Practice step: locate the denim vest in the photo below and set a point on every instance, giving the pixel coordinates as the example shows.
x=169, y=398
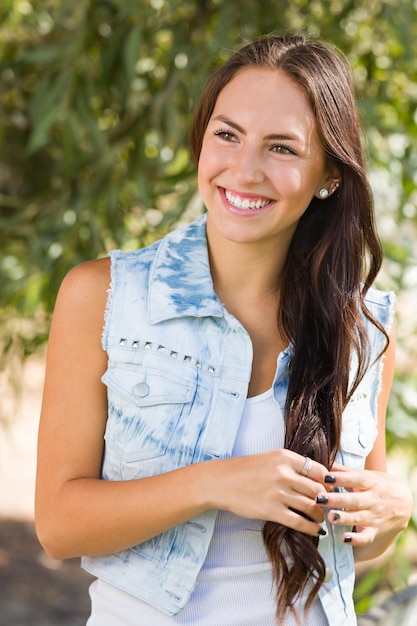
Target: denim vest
x=178, y=371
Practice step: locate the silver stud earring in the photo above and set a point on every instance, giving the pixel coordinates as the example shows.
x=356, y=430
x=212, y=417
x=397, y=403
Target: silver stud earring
x=324, y=193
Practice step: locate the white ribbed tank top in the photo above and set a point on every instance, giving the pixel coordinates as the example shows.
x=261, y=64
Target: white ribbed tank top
x=234, y=587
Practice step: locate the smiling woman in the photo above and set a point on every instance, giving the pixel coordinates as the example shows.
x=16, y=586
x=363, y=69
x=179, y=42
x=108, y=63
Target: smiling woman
x=223, y=435
x=261, y=159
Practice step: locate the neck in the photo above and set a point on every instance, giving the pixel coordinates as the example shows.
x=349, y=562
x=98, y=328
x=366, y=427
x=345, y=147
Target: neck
x=246, y=271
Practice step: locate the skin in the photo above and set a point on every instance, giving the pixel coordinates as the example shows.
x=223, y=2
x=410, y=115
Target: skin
x=78, y=513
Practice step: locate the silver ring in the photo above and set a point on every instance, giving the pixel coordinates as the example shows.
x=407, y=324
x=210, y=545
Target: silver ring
x=307, y=466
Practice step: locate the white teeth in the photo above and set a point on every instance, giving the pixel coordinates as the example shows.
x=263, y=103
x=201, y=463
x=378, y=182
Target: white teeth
x=245, y=203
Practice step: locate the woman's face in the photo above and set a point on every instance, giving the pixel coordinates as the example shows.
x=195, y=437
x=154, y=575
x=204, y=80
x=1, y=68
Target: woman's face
x=261, y=160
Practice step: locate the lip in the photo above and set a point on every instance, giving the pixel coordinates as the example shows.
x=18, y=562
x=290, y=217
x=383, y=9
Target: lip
x=250, y=196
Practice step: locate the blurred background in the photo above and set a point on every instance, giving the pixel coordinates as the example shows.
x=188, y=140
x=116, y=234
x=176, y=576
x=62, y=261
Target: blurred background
x=96, y=99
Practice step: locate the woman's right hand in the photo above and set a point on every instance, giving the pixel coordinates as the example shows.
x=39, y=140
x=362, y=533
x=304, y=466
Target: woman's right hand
x=269, y=486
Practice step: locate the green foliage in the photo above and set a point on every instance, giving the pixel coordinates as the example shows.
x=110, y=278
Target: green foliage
x=96, y=104
x=96, y=98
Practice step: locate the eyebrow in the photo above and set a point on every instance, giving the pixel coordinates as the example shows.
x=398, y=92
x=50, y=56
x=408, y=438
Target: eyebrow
x=226, y=120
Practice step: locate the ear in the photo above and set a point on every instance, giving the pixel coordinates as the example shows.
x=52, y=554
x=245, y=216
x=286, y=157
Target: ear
x=329, y=185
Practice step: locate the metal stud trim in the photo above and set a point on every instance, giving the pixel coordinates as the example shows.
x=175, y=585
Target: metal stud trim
x=136, y=344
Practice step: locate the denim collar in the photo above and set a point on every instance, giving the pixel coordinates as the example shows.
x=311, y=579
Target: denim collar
x=180, y=280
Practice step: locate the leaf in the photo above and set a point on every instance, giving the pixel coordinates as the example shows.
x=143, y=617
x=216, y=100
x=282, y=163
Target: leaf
x=40, y=130
x=131, y=52
x=46, y=106
x=42, y=55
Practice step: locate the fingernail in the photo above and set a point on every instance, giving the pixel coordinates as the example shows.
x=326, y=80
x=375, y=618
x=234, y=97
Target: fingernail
x=322, y=499
x=347, y=539
x=336, y=517
x=330, y=479
x=322, y=532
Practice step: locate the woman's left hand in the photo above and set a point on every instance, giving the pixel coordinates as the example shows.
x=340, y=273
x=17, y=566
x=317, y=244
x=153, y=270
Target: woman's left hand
x=374, y=505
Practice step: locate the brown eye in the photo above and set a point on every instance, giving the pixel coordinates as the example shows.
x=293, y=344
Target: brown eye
x=281, y=148
x=226, y=135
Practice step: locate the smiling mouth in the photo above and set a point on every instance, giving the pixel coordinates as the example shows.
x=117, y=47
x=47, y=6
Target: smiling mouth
x=249, y=204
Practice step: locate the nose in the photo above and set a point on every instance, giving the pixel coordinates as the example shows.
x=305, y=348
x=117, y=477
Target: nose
x=248, y=169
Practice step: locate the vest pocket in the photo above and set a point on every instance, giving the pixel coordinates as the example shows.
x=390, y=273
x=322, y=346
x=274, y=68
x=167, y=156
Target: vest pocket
x=145, y=406
x=359, y=431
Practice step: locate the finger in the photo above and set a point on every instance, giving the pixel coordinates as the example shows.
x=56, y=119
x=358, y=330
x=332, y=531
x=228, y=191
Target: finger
x=352, y=501
x=299, y=521
x=351, y=479
x=312, y=470
x=348, y=518
x=363, y=536
x=302, y=499
x=309, y=511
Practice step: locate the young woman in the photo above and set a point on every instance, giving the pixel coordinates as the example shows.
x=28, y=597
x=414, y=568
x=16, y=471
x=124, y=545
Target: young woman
x=205, y=452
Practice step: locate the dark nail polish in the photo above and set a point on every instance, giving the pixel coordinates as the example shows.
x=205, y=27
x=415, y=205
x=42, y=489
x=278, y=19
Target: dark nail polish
x=322, y=532
x=330, y=479
x=322, y=499
x=336, y=517
x=347, y=539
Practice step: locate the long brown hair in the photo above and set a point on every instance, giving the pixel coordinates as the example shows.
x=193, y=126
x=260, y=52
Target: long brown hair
x=333, y=258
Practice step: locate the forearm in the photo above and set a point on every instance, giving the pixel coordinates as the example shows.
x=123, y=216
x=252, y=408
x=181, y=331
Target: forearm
x=88, y=516
x=91, y=517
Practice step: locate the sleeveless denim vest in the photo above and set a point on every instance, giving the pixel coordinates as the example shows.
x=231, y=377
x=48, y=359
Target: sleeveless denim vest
x=178, y=371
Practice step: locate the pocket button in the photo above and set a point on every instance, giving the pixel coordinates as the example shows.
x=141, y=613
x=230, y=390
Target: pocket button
x=328, y=575
x=141, y=390
x=364, y=440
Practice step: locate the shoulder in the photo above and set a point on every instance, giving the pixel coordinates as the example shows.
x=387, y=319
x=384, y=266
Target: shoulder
x=86, y=281
x=82, y=297
x=377, y=297
x=125, y=263
x=381, y=305
x=79, y=312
